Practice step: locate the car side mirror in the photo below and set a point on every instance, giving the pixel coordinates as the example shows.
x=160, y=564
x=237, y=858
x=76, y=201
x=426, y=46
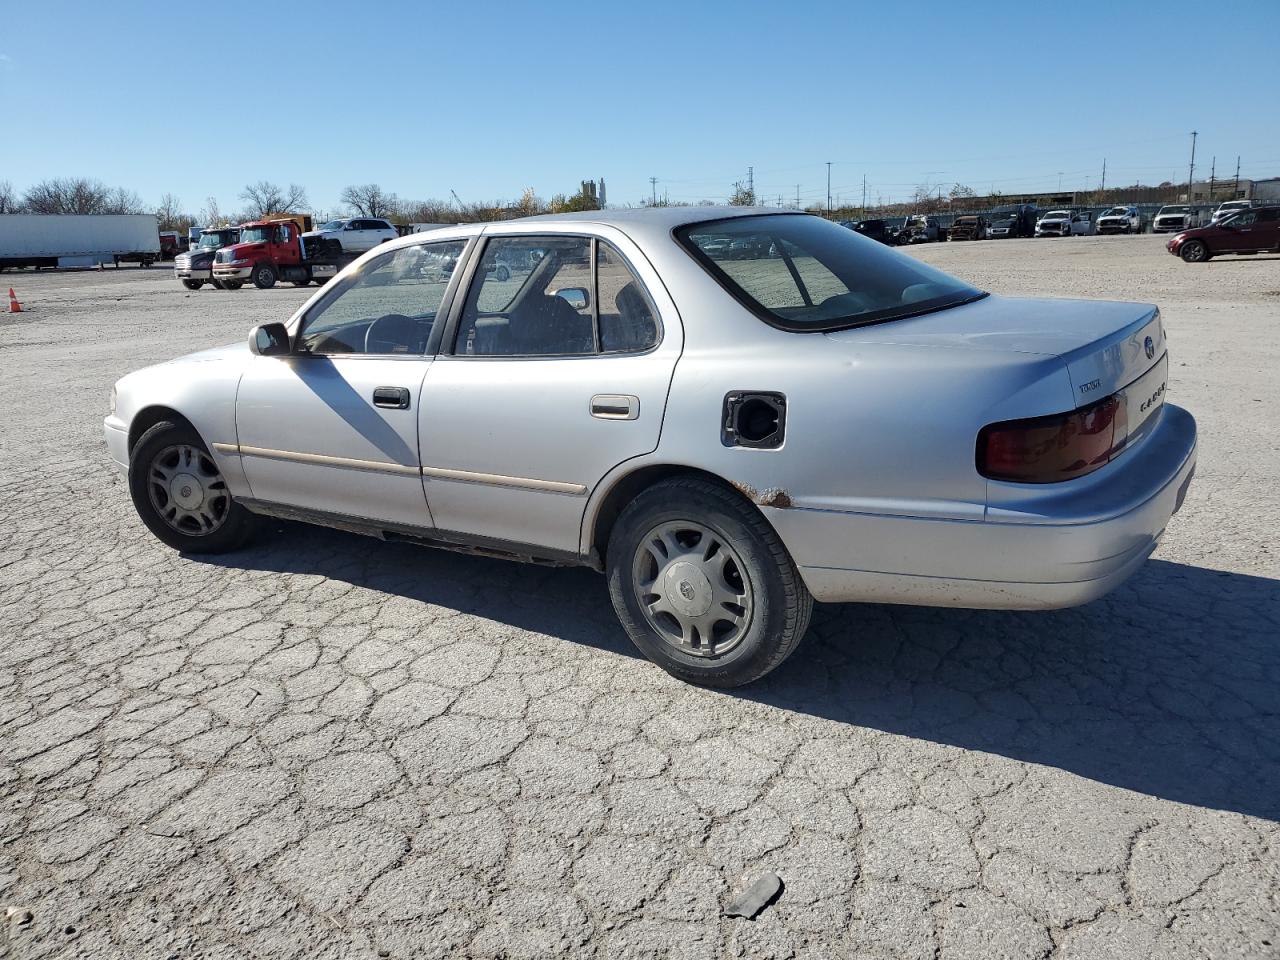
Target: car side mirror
x=576, y=297
x=269, y=340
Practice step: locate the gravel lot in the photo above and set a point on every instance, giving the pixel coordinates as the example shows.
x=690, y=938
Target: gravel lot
x=325, y=746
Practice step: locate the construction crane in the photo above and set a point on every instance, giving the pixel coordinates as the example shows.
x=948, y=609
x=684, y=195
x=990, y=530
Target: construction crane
x=454, y=194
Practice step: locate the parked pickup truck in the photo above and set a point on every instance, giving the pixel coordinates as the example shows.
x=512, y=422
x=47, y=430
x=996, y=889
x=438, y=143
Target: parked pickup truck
x=1124, y=219
x=1063, y=223
x=272, y=250
x=921, y=229
x=195, y=267
x=1018, y=220
x=1171, y=219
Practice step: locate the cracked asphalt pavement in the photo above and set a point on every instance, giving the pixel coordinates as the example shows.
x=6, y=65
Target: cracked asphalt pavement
x=327, y=746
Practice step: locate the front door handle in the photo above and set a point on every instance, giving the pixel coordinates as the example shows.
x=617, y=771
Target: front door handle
x=395, y=398
x=615, y=406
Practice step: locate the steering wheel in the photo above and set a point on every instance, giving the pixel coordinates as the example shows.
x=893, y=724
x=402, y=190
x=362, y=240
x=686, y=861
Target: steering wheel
x=390, y=331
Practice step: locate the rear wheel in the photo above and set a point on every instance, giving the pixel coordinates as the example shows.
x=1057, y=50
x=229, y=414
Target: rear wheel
x=703, y=586
x=264, y=276
x=181, y=495
x=193, y=284
x=1194, y=251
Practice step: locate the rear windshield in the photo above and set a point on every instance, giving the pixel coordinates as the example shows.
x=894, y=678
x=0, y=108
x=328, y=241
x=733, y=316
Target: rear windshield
x=805, y=273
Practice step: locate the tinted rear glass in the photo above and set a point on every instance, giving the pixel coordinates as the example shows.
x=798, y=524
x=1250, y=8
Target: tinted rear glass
x=805, y=273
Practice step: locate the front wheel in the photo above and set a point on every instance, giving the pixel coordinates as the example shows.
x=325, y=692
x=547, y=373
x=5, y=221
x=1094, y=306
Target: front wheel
x=232, y=284
x=264, y=276
x=502, y=273
x=181, y=495
x=703, y=586
x=1194, y=251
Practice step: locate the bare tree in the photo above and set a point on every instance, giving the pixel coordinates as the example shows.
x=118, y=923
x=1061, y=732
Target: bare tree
x=62, y=195
x=370, y=200
x=66, y=195
x=120, y=200
x=265, y=197
x=171, y=215
x=8, y=199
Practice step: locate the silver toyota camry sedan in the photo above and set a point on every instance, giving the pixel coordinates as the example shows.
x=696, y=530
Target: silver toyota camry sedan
x=730, y=413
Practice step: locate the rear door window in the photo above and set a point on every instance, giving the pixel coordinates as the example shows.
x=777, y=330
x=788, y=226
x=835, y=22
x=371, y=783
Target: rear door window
x=555, y=296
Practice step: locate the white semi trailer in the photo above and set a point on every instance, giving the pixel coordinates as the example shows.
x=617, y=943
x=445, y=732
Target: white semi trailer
x=66, y=240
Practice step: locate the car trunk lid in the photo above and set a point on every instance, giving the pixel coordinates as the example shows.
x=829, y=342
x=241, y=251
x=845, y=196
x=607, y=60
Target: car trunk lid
x=1105, y=345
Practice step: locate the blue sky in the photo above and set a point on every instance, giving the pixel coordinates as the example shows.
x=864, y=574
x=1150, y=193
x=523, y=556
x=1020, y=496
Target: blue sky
x=197, y=99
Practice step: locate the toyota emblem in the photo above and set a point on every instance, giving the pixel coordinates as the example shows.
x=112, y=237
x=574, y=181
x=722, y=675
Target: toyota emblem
x=1150, y=346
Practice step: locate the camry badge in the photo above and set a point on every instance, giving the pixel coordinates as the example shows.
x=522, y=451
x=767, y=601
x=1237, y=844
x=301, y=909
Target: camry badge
x=1150, y=346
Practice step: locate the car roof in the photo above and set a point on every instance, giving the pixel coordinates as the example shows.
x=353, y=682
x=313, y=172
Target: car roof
x=645, y=225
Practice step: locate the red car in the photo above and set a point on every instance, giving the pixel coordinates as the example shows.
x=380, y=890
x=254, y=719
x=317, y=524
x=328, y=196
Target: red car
x=1249, y=231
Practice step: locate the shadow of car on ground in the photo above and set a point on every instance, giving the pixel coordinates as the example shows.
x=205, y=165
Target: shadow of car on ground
x=1167, y=687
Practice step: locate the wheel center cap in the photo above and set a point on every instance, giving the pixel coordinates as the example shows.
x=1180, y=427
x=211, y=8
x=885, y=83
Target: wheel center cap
x=186, y=491
x=687, y=588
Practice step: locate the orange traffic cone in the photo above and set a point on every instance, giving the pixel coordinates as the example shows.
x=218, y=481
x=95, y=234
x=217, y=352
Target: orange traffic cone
x=14, y=305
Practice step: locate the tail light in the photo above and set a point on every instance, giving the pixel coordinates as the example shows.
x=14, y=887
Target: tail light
x=1062, y=446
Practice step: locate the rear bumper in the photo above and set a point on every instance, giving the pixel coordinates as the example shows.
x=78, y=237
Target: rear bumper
x=1068, y=550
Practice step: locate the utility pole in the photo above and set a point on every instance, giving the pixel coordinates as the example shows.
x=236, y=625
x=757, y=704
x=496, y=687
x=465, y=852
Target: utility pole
x=1191, y=172
x=1059, y=181
x=653, y=184
x=828, y=188
x=1103, y=187
x=751, y=184
x=1236, y=189
x=797, y=196
x=1213, y=169
x=864, y=195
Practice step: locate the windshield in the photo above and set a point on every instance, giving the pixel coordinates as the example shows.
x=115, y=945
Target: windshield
x=1117, y=212
x=807, y=274
x=331, y=225
x=212, y=241
x=1057, y=215
x=255, y=234
x=1164, y=210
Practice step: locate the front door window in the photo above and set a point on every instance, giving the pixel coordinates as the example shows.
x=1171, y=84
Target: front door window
x=389, y=307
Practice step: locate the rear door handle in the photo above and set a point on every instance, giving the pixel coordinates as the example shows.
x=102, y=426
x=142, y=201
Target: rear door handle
x=615, y=406
x=396, y=398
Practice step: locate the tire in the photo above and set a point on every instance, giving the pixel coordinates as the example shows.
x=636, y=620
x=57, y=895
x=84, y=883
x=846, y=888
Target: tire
x=301, y=283
x=232, y=284
x=502, y=273
x=171, y=460
x=264, y=276
x=319, y=281
x=1194, y=251
x=216, y=284
x=748, y=562
x=193, y=284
